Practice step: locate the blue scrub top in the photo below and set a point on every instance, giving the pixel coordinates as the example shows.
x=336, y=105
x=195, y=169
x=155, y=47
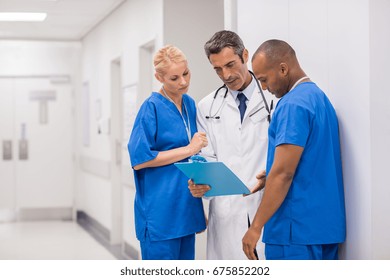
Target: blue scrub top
x=163, y=206
x=313, y=211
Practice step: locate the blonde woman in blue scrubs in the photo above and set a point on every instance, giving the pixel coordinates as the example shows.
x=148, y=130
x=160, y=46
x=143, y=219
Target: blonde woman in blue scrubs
x=167, y=216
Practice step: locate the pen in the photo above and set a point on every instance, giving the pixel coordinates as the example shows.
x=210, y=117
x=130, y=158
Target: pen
x=256, y=111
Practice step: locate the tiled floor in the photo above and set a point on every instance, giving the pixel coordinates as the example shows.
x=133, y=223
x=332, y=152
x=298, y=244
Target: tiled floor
x=57, y=240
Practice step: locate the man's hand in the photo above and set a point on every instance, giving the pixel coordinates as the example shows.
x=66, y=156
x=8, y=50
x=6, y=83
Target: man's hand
x=197, y=190
x=260, y=183
x=249, y=242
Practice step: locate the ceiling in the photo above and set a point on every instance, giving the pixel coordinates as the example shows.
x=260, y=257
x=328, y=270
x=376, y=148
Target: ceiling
x=66, y=19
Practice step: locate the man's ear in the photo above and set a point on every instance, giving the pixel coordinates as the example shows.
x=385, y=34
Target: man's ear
x=283, y=68
x=245, y=56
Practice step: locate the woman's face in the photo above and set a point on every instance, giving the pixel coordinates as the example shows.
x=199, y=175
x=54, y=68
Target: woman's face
x=176, y=79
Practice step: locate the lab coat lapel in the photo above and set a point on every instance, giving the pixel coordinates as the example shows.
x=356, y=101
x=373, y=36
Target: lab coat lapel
x=231, y=102
x=255, y=102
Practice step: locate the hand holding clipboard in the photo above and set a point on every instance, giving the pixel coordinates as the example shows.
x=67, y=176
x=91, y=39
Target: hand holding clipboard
x=215, y=174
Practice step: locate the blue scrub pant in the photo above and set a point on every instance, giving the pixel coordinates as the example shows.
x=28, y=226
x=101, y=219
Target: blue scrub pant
x=301, y=252
x=182, y=248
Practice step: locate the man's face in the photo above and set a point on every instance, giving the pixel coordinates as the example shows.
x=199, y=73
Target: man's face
x=269, y=76
x=230, y=69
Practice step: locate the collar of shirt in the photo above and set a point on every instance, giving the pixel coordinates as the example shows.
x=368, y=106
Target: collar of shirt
x=248, y=91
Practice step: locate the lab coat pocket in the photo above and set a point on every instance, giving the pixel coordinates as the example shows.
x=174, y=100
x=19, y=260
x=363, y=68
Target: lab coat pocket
x=259, y=115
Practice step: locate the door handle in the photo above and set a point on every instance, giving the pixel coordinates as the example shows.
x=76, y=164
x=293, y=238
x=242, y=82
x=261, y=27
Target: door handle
x=7, y=149
x=23, y=149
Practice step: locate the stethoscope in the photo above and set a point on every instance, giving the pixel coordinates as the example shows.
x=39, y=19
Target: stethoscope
x=217, y=116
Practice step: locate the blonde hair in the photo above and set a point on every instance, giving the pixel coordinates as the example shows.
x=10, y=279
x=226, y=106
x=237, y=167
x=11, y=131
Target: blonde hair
x=165, y=56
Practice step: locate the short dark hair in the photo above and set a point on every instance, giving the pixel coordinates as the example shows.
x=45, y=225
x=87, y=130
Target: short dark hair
x=275, y=50
x=224, y=39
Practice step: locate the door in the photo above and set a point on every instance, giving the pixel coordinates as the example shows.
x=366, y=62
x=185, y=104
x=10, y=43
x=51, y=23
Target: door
x=7, y=160
x=37, y=120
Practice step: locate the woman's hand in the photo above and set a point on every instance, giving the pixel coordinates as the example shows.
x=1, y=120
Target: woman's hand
x=198, y=141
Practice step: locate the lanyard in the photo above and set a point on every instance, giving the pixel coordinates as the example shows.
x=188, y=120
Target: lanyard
x=297, y=82
x=187, y=127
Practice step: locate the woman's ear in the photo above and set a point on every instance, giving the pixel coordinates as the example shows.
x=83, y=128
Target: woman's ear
x=158, y=77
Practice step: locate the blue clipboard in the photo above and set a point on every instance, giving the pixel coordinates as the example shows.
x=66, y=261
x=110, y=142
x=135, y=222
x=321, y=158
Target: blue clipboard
x=215, y=174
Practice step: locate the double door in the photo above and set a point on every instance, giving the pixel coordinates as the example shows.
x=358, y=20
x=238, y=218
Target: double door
x=36, y=138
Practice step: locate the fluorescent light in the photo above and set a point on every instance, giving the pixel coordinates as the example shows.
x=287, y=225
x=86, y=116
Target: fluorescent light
x=22, y=16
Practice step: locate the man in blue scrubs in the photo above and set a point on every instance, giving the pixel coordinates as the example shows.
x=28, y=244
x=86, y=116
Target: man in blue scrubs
x=302, y=211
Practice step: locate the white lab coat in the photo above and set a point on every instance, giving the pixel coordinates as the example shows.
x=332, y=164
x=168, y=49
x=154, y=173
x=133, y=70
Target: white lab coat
x=243, y=148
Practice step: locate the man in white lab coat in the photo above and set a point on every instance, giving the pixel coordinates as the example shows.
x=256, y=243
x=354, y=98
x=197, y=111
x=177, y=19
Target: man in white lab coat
x=235, y=119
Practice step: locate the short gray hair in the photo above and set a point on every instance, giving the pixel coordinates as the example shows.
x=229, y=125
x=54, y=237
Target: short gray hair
x=224, y=39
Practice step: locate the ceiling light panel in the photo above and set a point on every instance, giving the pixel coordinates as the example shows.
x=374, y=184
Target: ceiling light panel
x=23, y=16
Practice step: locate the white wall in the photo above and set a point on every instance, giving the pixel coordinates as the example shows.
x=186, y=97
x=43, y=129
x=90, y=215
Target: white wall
x=342, y=47
x=348, y=70
x=379, y=12
x=188, y=25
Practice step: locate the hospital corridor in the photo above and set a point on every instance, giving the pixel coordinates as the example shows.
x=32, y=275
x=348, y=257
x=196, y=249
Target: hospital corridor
x=45, y=240
x=74, y=74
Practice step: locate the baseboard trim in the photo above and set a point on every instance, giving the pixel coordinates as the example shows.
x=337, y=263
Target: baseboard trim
x=130, y=251
x=102, y=235
x=92, y=225
x=44, y=214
